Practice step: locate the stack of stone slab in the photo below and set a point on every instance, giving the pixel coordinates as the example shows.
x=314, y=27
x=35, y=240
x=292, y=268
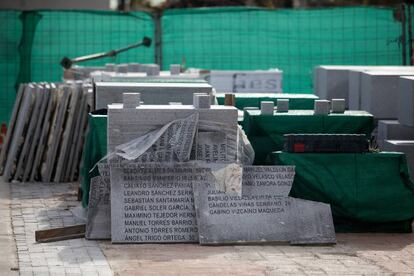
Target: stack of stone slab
x=170, y=194
x=398, y=135
x=161, y=93
x=46, y=132
x=345, y=81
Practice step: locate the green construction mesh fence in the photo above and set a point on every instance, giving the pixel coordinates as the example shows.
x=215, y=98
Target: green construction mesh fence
x=45, y=37
x=33, y=43
x=292, y=40
x=10, y=33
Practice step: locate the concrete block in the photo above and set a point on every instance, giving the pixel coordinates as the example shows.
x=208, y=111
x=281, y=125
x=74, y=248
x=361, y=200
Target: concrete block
x=322, y=107
x=354, y=92
x=406, y=101
x=133, y=67
x=338, y=105
x=152, y=69
x=405, y=146
x=379, y=93
x=282, y=105
x=267, y=107
x=202, y=101
x=393, y=130
x=151, y=93
x=131, y=100
x=110, y=67
x=175, y=69
x=121, y=68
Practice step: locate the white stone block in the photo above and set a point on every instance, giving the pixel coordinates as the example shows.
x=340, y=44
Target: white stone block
x=175, y=69
x=393, y=130
x=131, y=100
x=121, y=68
x=202, y=101
x=354, y=92
x=152, y=69
x=379, y=93
x=282, y=105
x=267, y=107
x=133, y=67
x=405, y=146
x=406, y=101
x=322, y=107
x=151, y=93
x=338, y=105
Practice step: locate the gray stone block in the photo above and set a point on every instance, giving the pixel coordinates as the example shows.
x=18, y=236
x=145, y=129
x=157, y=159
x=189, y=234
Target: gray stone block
x=282, y=105
x=124, y=125
x=202, y=101
x=151, y=93
x=379, y=93
x=264, y=213
x=322, y=107
x=121, y=68
x=98, y=223
x=134, y=67
x=267, y=107
x=152, y=69
x=406, y=101
x=393, y=130
x=338, y=105
x=355, y=81
x=405, y=146
x=131, y=100
x=175, y=69
x=153, y=204
x=110, y=67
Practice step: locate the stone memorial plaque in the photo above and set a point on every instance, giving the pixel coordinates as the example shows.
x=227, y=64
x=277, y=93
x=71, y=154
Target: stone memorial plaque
x=152, y=204
x=261, y=214
x=264, y=212
x=98, y=223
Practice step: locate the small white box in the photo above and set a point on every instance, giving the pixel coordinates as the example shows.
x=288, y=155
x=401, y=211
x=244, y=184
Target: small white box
x=282, y=105
x=338, y=105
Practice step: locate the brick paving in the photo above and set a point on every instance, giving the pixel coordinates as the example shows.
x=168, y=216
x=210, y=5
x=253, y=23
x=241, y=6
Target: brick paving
x=36, y=206
x=40, y=206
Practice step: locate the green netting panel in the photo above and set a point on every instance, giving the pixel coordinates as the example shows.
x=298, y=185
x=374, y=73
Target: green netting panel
x=292, y=40
x=10, y=33
x=76, y=33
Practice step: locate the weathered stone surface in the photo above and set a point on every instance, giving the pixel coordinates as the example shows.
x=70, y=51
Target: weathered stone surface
x=406, y=101
x=107, y=93
x=379, y=93
x=98, y=224
x=264, y=212
x=393, y=130
x=152, y=204
x=322, y=107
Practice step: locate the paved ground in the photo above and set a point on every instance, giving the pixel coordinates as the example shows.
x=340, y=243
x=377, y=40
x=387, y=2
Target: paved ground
x=39, y=206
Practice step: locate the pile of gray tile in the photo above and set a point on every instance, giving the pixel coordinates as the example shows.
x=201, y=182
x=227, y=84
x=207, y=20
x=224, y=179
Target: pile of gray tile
x=182, y=173
x=46, y=133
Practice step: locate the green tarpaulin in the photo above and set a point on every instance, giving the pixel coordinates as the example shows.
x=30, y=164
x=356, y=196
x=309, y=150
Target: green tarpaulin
x=367, y=191
x=296, y=101
x=93, y=151
x=266, y=132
